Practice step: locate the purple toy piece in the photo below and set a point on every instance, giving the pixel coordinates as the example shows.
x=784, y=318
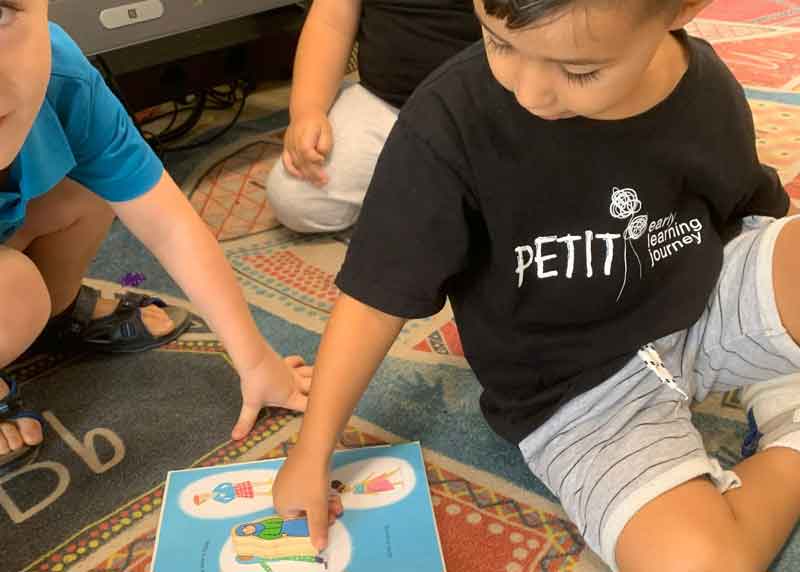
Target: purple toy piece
x=132, y=279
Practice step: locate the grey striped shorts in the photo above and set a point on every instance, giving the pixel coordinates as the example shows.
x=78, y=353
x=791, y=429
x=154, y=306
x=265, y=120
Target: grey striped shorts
x=611, y=450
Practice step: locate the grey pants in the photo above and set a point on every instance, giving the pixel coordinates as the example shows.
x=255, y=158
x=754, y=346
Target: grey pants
x=361, y=123
x=613, y=449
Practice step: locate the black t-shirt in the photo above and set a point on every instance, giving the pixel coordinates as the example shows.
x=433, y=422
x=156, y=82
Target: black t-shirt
x=563, y=246
x=402, y=41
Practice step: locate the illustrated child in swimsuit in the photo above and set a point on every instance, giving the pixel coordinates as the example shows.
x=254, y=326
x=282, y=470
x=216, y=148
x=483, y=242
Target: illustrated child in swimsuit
x=373, y=484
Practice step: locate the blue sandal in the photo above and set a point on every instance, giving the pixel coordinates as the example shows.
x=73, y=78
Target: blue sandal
x=10, y=410
x=123, y=331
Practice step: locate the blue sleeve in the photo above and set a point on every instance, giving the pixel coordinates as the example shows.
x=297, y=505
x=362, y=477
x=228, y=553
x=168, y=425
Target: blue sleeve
x=113, y=160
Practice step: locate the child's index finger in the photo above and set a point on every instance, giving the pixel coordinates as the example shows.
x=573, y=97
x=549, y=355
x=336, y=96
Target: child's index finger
x=318, y=527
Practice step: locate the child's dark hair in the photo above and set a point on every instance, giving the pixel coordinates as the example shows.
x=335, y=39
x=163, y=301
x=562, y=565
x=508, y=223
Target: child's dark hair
x=520, y=14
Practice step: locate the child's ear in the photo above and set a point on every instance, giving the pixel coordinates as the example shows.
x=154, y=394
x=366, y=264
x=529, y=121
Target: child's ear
x=688, y=11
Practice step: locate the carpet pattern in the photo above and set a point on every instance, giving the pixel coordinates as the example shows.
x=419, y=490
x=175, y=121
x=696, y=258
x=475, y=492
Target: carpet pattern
x=492, y=514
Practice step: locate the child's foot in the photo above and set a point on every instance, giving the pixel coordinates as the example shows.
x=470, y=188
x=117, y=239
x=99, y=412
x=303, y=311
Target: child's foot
x=19, y=433
x=156, y=320
x=131, y=323
x=773, y=413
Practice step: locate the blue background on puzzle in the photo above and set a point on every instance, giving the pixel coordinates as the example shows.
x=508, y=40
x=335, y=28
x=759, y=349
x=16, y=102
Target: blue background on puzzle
x=189, y=544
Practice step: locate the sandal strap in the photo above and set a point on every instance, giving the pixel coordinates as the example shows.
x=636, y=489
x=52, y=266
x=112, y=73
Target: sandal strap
x=129, y=302
x=28, y=414
x=134, y=301
x=11, y=404
x=84, y=308
x=124, y=323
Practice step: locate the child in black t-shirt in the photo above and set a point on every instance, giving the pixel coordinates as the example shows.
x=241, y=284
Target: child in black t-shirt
x=585, y=190
x=337, y=131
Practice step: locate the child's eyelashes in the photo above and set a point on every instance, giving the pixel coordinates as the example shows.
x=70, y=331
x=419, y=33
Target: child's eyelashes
x=578, y=79
x=497, y=47
x=8, y=12
x=581, y=79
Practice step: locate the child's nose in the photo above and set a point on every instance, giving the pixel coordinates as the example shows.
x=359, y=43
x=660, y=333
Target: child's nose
x=534, y=87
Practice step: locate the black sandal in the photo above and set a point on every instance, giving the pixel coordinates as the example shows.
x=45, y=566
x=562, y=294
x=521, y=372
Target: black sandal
x=123, y=331
x=11, y=410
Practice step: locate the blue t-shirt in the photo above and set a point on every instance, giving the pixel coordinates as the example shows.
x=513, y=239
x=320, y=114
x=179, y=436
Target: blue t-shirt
x=82, y=132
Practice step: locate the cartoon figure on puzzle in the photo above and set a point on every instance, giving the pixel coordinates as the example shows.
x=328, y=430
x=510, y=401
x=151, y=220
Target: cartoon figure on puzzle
x=373, y=484
x=227, y=492
x=274, y=539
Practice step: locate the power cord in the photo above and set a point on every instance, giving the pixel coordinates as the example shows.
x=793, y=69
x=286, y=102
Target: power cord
x=195, y=105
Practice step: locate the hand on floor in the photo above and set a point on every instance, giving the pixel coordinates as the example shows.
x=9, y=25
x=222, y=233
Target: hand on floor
x=286, y=386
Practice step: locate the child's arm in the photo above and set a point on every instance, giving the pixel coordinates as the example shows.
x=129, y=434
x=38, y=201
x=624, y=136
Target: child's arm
x=322, y=54
x=168, y=226
x=355, y=342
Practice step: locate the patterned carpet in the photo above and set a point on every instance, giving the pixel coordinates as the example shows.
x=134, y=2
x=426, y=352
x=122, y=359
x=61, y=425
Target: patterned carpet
x=173, y=408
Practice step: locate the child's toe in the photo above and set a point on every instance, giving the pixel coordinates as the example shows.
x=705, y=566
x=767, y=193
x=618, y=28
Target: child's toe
x=13, y=439
x=30, y=431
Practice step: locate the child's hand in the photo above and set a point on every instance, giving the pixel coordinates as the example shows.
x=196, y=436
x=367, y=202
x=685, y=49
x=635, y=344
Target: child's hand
x=306, y=145
x=303, y=486
x=284, y=383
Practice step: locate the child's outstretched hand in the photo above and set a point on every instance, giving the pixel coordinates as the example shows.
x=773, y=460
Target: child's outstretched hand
x=282, y=383
x=303, y=487
x=306, y=145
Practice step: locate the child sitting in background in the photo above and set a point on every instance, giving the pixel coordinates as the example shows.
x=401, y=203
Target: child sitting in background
x=333, y=140
x=570, y=187
x=70, y=160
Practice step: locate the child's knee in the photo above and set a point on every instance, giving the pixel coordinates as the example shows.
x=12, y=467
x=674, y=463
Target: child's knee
x=696, y=549
x=788, y=241
x=84, y=204
x=301, y=207
x=690, y=528
x=26, y=303
x=69, y=203
x=786, y=276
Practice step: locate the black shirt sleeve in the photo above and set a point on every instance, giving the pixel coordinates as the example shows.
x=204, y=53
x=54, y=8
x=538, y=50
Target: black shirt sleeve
x=413, y=232
x=762, y=191
x=768, y=197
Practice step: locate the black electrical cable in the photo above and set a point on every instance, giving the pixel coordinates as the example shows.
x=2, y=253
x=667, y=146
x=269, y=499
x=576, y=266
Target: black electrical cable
x=216, y=135
x=189, y=123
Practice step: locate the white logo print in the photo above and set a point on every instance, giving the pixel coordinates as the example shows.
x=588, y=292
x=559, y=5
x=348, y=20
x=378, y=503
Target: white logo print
x=625, y=203
x=588, y=253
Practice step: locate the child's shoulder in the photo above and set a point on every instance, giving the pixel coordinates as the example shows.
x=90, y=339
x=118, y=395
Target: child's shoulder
x=72, y=90
x=454, y=97
x=69, y=63
x=456, y=78
x=713, y=73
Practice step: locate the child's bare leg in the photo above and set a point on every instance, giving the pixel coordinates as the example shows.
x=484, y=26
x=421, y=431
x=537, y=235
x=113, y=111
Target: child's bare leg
x=746, y=527
x=62, y=233
x=20, y=323
x=786, y=277
x=694, y=528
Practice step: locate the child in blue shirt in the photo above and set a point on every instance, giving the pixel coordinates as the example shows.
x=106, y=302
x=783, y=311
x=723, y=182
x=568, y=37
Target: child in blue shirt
x=70, y=161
